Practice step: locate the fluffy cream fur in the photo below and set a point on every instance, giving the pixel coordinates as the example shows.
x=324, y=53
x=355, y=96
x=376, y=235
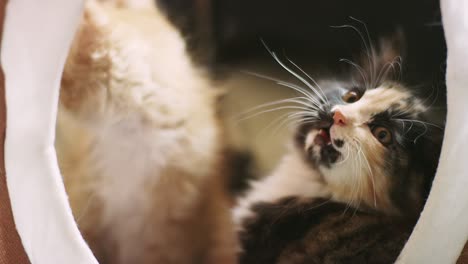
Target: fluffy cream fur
x=138, y=142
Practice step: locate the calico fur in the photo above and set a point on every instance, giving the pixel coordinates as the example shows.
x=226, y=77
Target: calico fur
x=341, y=194
x=300, y=231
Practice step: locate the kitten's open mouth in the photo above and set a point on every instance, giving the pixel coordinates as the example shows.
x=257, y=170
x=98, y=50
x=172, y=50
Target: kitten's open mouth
x=328, y=153
x=323, y=137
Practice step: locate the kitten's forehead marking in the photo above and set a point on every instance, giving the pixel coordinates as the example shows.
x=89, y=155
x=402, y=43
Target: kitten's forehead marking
x=373, y=102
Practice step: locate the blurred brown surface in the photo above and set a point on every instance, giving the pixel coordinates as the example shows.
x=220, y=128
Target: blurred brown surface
x=11, y=249
x=463, y=259
x=229, y=31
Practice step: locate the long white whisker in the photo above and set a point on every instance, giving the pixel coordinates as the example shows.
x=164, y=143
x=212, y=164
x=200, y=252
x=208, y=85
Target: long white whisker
x=386, y=68
x=422, y=134
x=281, y=119
x=346, y=157
x=360, y=69
x=367, y=45
x=298, y=100
x=356, y=171
x=370, y=171
x=294, y=118
x=312, y=99
x=417, y=121
x=322, y=95
x=289, y=107
x=273, y=54
x=295, y=87
x=372, y=50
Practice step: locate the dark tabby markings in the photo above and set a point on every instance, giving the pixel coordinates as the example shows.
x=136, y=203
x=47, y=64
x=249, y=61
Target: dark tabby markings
x=338, y=143
x=294, y=231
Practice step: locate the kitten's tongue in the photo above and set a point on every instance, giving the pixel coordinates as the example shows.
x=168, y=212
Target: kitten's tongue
x=322, y=138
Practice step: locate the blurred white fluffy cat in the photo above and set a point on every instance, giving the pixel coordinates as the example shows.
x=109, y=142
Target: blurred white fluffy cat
x=139, y=142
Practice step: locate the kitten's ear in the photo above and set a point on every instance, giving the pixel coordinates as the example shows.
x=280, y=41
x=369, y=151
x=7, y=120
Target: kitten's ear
x=391, y=48
x=386, y=59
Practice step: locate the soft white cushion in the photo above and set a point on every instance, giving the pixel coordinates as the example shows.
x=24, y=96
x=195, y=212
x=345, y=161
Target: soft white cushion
x=37, y=36
x=442, y=229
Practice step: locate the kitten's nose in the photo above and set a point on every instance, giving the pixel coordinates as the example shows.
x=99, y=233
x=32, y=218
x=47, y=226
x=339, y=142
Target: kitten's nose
x=339, y=118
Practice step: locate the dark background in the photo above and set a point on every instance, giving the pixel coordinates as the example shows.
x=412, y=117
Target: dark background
x=228, y=32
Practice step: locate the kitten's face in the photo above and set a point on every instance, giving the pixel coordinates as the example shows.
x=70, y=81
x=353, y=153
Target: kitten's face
x=367, y=143
x=370, y=138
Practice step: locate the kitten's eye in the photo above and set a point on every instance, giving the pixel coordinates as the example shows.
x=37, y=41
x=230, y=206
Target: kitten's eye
x=383, y=135
x=350, y=97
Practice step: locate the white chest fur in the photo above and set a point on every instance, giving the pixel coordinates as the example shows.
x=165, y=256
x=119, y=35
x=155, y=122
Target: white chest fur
x=129, y=156
x=291, y=178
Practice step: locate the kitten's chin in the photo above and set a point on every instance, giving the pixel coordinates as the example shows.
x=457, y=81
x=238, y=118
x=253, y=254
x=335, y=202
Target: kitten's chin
x=321, y=149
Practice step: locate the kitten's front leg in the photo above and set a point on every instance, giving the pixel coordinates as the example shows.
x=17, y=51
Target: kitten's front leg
x=292, y=178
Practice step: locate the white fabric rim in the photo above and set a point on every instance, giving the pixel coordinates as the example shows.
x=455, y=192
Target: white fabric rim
x=36, y=40
x=442, y=229
x=37, y=35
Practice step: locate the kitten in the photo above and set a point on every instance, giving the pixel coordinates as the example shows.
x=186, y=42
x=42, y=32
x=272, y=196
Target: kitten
x=351, y=186
x=139, y=142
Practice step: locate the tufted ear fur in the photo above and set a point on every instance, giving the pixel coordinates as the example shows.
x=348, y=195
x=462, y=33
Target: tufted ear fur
x=384, y=62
